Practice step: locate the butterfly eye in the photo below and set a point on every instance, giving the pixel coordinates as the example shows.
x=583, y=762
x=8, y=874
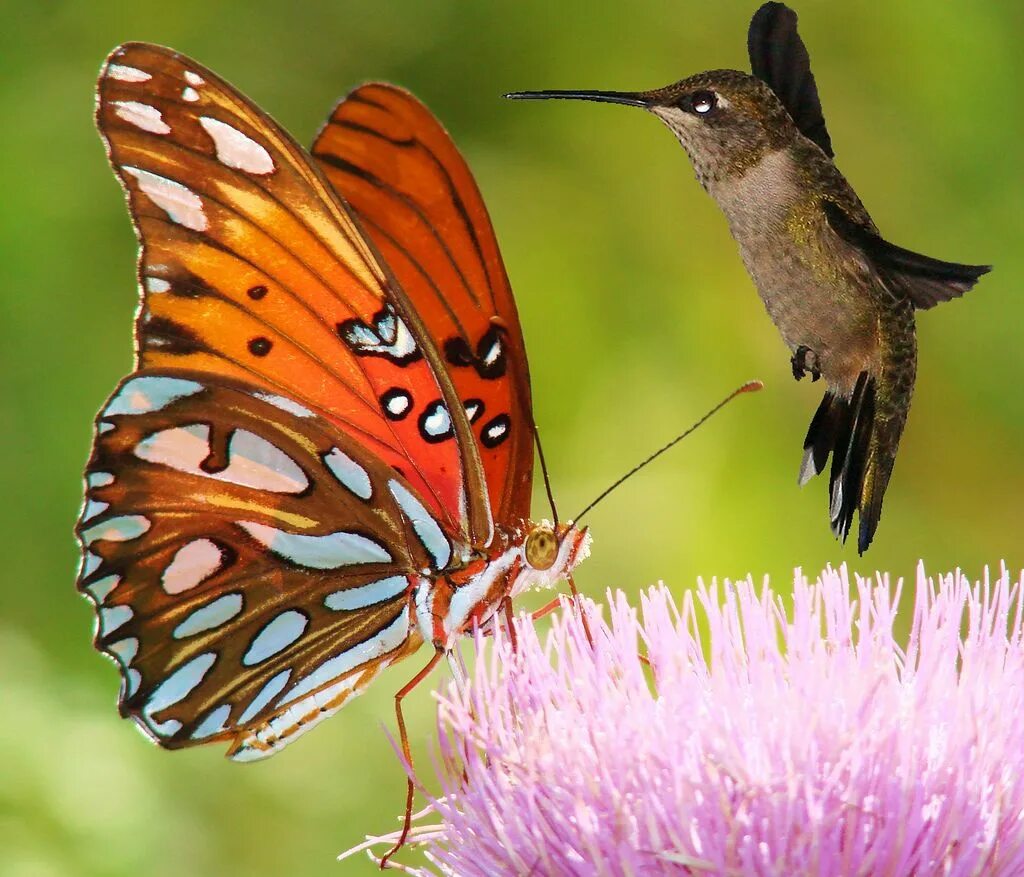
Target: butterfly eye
x=703, y=102
x=541, y=548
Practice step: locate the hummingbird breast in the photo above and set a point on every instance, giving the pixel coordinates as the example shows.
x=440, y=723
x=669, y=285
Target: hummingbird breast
x=819, y=293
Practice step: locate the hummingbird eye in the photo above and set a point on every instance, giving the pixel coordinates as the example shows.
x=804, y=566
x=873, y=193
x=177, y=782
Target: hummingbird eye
x=703, y=102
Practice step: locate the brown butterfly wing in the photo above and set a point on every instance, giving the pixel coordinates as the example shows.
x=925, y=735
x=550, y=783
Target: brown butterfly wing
x=392, y=161
x=251, y=564
x=251, y=268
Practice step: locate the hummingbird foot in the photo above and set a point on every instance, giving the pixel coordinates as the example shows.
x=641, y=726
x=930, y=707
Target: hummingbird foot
x=805, y=360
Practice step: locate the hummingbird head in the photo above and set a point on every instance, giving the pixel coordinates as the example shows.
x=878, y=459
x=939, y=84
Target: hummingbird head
x=726, y=120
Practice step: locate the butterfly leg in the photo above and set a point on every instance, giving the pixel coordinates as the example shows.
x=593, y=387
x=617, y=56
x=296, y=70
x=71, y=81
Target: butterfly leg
x=551, y=606
x=407, y=753
x=506, y=606
x=579, y=607
x=546, y=609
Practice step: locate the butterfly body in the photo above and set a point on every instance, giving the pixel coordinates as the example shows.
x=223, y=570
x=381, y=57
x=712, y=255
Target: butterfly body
x=324, y=456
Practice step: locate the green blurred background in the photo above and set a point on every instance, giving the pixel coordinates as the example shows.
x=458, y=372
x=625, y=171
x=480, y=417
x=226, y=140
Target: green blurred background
x=638, y=316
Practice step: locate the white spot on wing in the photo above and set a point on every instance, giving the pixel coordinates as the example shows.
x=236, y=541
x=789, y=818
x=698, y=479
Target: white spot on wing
x=112, y=617
x=210, y=616
x=142, y=116
x=194, y=78
x=300, y=717
x=349, y=473
x=317, y=552
x=131, y=682
x=180, y=447
x=255, y=462
x=237, y=150
x=349, y=599
x=192, y=564
x=438, y=422
x=423, y=523
x=99, y=479
x=213, y=723
x=496, y=430
x=90, y=563
x=493, y=352
x=180, y=203
x=146, y=394
x=92, y=508
x=125, y=650
x=127, y=74
x=120, y=529
x=391, y=337
x=399, y=403
x=174, y=689
x=101, y=589
x=252, y=460
x=190, y=94
x=276, y=636
x=157, y=284
x=389, y=639
x=285, y=404
x=266, y=695
x=165, y=729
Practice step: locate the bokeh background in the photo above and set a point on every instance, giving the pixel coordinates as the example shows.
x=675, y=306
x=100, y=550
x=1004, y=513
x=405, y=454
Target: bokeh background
x=638, y=316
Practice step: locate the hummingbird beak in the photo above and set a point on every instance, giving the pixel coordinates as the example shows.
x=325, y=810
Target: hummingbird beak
x=629, y=98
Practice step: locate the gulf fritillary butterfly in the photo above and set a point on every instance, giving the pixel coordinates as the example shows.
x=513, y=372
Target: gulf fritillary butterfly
x=324, y=456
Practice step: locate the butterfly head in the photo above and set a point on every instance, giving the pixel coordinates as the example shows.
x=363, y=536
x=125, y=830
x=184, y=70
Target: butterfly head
x=533, y=558
x=552, y=551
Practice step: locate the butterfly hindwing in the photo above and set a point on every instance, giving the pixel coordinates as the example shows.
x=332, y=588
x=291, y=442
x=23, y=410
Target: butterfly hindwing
x=251, y=565
x=387, y=155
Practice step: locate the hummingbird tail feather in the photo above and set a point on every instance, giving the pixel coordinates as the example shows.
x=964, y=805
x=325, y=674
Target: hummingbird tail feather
x=848, y=430
x=851, y=455
x=884, y=443
x=821, y=436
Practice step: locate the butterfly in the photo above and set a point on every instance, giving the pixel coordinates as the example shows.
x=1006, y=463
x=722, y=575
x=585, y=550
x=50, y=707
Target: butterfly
x=324, y=455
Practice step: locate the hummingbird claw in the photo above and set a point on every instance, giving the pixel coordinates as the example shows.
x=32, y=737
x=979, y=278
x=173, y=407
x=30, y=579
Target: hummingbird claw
x=805, y=360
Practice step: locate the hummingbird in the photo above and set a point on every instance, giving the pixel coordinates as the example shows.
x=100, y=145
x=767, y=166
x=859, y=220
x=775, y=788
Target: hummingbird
x=842, y=297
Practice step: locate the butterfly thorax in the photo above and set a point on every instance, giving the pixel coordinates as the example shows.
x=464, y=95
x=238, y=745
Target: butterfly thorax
x=534, y=556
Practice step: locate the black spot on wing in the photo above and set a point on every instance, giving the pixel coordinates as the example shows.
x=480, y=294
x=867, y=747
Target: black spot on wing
x=167, y=336
x=495, y=431
x=260, y=346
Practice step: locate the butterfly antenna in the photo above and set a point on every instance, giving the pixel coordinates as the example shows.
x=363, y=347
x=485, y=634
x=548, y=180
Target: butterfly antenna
x=544, y=470
x=749, y=387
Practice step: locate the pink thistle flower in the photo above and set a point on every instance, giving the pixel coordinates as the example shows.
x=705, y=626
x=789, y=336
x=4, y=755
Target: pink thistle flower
x=802, y=742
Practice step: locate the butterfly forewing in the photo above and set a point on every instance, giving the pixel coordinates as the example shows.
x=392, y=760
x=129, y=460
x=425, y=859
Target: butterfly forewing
x=252, y=268
x=246, y=558
x=393, y=162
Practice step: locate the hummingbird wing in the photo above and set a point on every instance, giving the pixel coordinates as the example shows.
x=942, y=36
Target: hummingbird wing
x=779, y=57
x=925, y=280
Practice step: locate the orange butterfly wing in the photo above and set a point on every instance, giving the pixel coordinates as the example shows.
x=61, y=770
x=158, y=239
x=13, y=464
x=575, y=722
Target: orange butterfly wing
x=251, y=268
x=396, y=166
